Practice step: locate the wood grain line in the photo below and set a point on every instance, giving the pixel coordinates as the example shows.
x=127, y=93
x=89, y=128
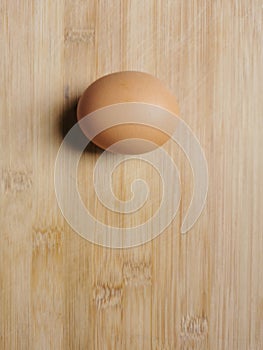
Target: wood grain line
x=76, y=35
x=16, y=180
x=137, y=274
x=107, y=295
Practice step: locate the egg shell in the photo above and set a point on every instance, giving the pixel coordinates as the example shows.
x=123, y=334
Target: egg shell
x=127, y=87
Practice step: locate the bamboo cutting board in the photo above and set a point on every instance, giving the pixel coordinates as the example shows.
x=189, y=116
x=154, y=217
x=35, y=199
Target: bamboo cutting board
x=202, y=290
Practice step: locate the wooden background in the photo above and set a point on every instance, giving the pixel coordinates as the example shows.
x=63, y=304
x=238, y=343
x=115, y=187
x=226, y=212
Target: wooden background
x=202, y=290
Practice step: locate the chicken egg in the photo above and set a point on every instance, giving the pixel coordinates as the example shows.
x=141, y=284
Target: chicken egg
x=125, y=88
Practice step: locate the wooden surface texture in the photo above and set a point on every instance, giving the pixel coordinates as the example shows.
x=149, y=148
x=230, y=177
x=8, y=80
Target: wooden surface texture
x=202, y=290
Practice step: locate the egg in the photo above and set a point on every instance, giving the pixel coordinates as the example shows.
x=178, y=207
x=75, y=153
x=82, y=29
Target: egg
x=126, y=88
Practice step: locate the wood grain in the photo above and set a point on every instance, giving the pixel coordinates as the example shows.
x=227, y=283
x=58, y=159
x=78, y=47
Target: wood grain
x=202, y=290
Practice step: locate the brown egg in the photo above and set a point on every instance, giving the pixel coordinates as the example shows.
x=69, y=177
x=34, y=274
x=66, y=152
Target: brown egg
x=125, y=88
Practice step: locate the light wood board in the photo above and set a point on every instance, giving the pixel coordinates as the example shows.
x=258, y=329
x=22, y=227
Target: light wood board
x=202, y=290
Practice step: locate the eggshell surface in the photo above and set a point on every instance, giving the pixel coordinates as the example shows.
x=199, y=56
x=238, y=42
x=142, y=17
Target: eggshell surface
x=127, y=87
